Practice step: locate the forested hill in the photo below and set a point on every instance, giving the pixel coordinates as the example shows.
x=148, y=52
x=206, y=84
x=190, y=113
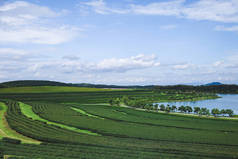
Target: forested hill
x=26, y=83
x=2, y=86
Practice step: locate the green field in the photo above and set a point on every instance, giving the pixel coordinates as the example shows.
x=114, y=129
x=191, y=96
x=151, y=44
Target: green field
x=27, y=111
x=83, y=125
x=50, y=89
x=60, y=94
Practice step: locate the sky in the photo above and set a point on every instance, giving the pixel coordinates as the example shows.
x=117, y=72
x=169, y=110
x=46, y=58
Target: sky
x=126, y=42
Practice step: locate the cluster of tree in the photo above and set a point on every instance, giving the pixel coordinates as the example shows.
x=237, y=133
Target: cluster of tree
x=223, y=112
x=144, y=104
x=115, y=101
x=196, y=110
x=186, y=95
x=133, y=102
x=168, y=108
x=223, y=88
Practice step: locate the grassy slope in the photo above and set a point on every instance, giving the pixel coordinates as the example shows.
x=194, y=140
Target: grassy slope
x=50, y=89
x=178, y=149
x=165, y=129
x=6, y=131
x=121, y=113
x=27, y=110
x=85, y=113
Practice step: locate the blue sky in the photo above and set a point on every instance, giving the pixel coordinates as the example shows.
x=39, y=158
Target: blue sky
x=120, y=42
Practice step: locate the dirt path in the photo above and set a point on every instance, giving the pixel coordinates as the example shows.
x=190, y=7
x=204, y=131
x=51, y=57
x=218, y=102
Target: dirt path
x=3, y=133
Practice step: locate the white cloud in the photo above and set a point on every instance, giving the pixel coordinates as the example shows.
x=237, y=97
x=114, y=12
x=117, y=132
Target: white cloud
x=114, y=70
x=12, y=54
x=38, y=35
x=24, y=22
x=69, y=65
x=124, y=80
x=140, y=61
x=14, y=5
x=23, y=64
x=182, y=66
x=218, y=63
x=14, y=21
x=100, y=7
x=223, y=28
x=168, y=27
x=21, y=12
x=124, y=64
x=212, y=10
x=71, y=57
x=159, y=8
x=230, y=62
x=11, y=51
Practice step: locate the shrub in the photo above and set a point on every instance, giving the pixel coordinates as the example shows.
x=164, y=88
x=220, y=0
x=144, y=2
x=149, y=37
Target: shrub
x=11, y=140
x=1, y=154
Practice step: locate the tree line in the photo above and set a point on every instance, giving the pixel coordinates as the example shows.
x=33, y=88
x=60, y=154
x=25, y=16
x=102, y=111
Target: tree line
x=233, y=89
x=145, y=104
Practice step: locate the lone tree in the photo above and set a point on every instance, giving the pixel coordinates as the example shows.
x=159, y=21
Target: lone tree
x=196, y=110
x=215, y=112
x=156, y=107
x=168, y=108
x=208, y=112
x=174, y=108
x=125, y=100
x=230, y=112
x=204, y=111
x=114, y=101
x=162, y=107
x=117, y=101
x=149, y=107
x=188, y=109
x=223, y=112
x=181, y=109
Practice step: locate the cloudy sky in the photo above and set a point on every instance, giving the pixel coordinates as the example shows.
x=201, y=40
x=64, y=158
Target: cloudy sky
x=122, y=42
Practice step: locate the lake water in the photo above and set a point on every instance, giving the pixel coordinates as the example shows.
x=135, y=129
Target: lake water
x=228, y=101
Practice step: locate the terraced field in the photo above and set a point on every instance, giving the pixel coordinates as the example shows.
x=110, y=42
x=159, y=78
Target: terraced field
x=63, y=128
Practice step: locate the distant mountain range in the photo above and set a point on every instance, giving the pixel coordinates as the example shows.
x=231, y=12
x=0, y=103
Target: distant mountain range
x=27, y=83
x=213, y=84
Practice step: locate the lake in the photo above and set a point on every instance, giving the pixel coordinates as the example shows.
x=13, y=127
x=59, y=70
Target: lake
x=228, y=101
